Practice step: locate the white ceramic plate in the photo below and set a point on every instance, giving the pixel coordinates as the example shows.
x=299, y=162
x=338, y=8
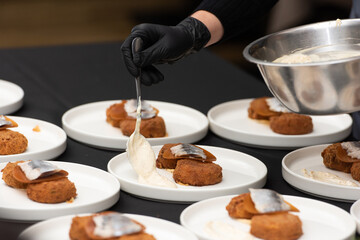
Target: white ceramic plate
x=87, y=124
x=230, y=120
x=240, y=171
x=47, y=144
x=310, y=158
x=11, y=97
x=97, y=190
x=320, y=220
x=58, y=229
x=355, y=212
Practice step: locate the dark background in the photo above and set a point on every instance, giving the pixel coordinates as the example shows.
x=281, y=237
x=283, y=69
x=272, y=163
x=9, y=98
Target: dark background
x=57, y=22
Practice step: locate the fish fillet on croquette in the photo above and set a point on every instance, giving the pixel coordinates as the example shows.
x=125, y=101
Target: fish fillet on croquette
x=331, y=160
x=8, y=176
x=56, y=191
x=81, y=228
x=12, y=142
x=259, y=109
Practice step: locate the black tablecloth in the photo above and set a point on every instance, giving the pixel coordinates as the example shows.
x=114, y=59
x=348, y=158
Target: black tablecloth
x=56, y=79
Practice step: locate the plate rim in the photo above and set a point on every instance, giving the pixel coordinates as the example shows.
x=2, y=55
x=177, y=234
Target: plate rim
x=16, y=104
x=73, y=133
x=259, y=181
x=217, y=128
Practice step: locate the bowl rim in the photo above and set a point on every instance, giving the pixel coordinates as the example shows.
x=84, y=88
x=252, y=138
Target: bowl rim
x=252, y=59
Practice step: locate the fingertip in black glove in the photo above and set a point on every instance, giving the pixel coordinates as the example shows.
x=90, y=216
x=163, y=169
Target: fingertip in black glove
x=162, y=44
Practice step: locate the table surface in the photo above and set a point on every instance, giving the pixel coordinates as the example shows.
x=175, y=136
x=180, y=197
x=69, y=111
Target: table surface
x=56, y=79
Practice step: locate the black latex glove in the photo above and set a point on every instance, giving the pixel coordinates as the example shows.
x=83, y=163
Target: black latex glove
x=162, y=44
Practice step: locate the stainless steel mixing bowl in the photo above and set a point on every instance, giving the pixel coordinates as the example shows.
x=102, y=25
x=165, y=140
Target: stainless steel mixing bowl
x=316, y=88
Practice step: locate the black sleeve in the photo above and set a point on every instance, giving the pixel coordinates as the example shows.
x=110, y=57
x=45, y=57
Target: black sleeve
x=237, y=16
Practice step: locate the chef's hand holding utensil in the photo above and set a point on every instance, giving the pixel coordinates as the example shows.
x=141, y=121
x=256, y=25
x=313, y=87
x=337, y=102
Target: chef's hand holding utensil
x=162, y=44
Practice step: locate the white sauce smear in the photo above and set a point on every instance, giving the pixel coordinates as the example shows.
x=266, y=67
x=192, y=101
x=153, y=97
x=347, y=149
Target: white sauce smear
x=143, y=160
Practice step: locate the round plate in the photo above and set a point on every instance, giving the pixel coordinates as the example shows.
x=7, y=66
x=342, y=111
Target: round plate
x=87, y=124
x=319, y=220
x=93, y=194
x=309, y=158
x=230, y=120
x=11, y=97
x=58, y=229
x=47, y=144
x=355, y=212
x=240, y=171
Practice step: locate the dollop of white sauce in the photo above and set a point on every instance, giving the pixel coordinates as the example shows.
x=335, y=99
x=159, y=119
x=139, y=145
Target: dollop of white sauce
x=275, y=105
x=352, y=149
x=328, y=178
x=143, y=160
x=224, y=231
x=37, y=168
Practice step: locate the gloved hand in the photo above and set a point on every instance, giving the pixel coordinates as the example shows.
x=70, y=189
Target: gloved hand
x=162, y=44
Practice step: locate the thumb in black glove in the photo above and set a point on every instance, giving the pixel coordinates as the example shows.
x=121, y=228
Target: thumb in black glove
x=162, y=44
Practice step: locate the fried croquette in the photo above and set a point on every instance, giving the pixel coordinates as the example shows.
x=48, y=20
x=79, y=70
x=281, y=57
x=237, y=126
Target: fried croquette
x=56, y=191
x=236, y=209
x=197, y=173
x=162, y=162
x=8, y=176
x=331, y=160
x=77, y=228
x=116, y=113
x=12, y=142
x=291, y=124
x=149, y=128
x=281, y=226
x=259, y=109
x=82, y=226
x=355, y=171
x=166, y=159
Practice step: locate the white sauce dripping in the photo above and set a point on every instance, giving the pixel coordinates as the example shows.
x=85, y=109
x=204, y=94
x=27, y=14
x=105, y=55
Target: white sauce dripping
x=142, y=158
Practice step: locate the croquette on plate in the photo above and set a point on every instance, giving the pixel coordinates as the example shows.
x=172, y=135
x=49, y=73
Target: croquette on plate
x=12, y=142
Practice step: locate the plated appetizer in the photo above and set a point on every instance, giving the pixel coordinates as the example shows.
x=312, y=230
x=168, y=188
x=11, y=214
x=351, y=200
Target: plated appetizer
x=11, y=142
x=123, y=115
x=107, y=225
x=269, y=214
x=43, y=181
x=191, y=164
x=343, y=157
x=280, y=119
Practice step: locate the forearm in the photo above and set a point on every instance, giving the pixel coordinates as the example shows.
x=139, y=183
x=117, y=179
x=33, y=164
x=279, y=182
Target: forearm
x=236, y=16
x=212, y=23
